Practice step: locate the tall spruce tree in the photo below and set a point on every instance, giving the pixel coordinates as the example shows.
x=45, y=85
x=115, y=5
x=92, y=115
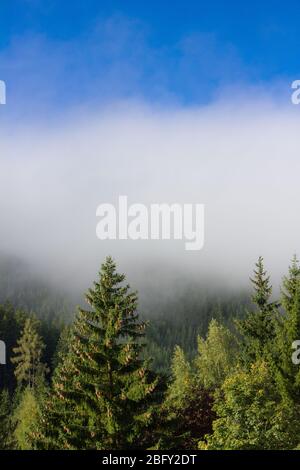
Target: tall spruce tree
x=287, y=373
x=259, y=327
x=291, y=284
x=103, y=395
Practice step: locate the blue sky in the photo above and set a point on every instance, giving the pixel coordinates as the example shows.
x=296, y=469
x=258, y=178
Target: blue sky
x=182, y=52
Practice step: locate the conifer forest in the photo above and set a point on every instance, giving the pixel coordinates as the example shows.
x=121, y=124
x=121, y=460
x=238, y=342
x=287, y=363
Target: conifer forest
x=149, y=233
x=108, y=378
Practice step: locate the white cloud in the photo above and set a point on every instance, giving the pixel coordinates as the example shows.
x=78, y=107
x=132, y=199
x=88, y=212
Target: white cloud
x=241, y=160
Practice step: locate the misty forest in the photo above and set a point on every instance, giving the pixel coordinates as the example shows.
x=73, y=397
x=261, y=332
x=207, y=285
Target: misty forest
x=212, y=372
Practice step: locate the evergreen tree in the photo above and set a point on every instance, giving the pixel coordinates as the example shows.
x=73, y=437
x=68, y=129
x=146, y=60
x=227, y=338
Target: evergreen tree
x=287, y=373
x=291, y=285
x=11, y=324
x=259, y=327
x=62, y=346
x=103, y=395
x=28, y=353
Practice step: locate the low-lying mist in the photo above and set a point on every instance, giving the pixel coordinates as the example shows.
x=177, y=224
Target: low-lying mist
x=239, y=158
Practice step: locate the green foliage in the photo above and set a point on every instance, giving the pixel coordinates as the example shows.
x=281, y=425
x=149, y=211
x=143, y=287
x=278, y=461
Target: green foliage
x=188, y=404
x=182, y=380
x=28, y=354
x=11, y=324
x=27, y=291
x=103, y=394
x=259, y=327
x=252, y=415
x=217, y=356
x=26, y=419
x=233, y=392
x=6, y=427
x=62, y=347
x=291, y=285
x=184, y=317
x=258, y=406
x=287, y=373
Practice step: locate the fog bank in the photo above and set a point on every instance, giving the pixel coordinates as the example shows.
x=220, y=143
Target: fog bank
x=238, y=157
